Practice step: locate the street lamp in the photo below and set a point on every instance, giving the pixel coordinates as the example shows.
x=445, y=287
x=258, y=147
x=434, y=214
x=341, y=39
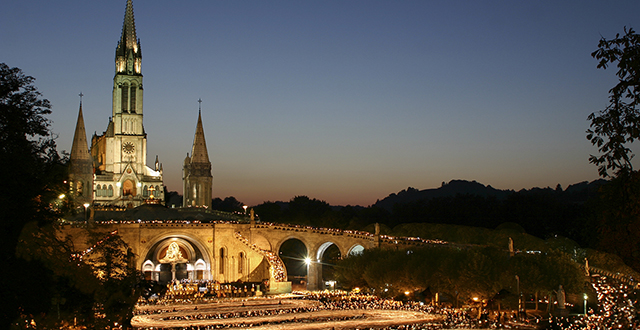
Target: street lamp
x=245, y=209
x=86, y=206
x=585, y=304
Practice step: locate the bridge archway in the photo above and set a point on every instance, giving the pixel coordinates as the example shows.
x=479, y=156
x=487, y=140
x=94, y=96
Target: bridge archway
x=327, y=255
x=293, y=253
x=355, y=250
x=176, y=257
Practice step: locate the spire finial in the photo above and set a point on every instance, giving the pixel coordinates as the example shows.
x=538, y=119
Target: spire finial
x=199, y=105
x=81, y=95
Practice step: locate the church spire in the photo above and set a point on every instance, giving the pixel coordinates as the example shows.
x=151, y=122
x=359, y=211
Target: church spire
x=199, y=152
x=80, y=149
x=128, y=52
x=80, y=165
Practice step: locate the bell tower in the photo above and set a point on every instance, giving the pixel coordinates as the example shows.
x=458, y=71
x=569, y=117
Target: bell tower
x=196, y=171
x=120, y=154
x=128, y=148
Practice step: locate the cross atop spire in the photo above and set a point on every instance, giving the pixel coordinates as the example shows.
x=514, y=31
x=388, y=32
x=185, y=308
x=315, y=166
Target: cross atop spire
x=199, y=105
x=81, y=95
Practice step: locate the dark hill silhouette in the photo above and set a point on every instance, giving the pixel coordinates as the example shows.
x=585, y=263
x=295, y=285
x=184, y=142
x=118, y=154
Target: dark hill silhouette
x=453, y=188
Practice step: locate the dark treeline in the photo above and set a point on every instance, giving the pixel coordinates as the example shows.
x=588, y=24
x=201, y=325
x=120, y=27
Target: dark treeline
x=542, y=212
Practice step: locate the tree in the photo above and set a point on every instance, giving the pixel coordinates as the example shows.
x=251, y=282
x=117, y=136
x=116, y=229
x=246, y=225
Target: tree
x=32, y=174
x=619, y=123
x=612, y=129
x=112, y=262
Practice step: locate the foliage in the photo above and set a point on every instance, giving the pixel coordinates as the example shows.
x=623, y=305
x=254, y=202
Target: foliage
x=617, y=215
x=32, y=174
x=229, y=204
x=459, y=272
x=619, y=123
x=42, y=282
x=112, y=262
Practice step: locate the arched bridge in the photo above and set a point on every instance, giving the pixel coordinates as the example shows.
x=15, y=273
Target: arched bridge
x=227, y=251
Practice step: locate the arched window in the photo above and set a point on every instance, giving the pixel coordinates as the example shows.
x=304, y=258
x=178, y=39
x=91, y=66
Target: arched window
x=124, y=97
x=133, y=99
x=145, y=191
x=110, y=194
x=222, y=256
x=241, y=263
x=98, y=191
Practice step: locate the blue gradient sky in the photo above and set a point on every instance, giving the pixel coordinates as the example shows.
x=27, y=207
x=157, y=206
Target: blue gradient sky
x=344, y=101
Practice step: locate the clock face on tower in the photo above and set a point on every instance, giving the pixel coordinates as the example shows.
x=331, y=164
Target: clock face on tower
x=128, y=147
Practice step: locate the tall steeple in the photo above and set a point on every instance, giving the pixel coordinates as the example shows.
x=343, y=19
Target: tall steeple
x=199, y=152
x=128, y=52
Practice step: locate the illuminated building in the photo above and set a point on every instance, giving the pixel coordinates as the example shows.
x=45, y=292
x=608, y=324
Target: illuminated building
x=120, y=176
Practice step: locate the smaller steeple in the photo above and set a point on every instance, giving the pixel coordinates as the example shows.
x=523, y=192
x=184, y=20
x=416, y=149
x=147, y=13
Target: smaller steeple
x=196, y=172
x=80, y=165
x=199, y=152
x=79, y=148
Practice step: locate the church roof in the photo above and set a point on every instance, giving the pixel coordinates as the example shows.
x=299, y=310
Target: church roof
x=199, y=152
x=128, y=39
x=80, y=149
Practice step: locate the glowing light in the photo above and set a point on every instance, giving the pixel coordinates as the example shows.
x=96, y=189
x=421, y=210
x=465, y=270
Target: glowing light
x=62, y=196
x=307, y=261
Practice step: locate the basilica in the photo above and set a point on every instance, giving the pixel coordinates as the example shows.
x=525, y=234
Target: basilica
x=114, y=171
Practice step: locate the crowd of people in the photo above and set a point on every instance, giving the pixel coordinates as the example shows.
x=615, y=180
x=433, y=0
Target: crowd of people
x=616, y=309
x=202, y=291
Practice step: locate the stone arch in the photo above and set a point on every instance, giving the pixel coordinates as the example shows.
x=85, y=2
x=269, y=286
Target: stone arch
x=293, y=258
x=323, y=266
x=355, y=249
x=200, y=268
x=278, y=245
x=194, y=250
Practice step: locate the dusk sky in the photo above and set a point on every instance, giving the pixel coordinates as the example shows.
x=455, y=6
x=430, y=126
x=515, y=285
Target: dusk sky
x=343, y=101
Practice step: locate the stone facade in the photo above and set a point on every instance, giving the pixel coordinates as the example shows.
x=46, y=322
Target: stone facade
x=224, y=252
x=196, y=172
x=119, y=155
